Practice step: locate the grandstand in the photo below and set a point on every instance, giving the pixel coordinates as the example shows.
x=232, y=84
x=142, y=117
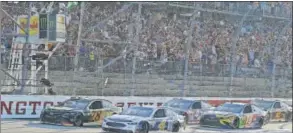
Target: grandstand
x=237, y=49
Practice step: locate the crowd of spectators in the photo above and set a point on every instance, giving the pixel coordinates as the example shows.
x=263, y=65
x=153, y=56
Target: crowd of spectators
x=164, y=32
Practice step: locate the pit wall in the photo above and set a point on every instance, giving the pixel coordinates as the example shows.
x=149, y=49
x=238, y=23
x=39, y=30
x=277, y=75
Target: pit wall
x=30, y=106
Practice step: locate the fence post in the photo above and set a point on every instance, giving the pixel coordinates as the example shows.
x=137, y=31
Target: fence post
x=234, y=41
x=78, y=41
x=138, y=27
x=274, y=58
x=2, y=73
x=186, y=54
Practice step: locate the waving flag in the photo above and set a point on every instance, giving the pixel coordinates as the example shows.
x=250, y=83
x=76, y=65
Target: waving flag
x=70, y=5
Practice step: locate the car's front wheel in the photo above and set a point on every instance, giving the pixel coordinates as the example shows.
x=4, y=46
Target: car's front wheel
x=267, y=118
x=261, y=122
x=176, y=127
x=235, y=123
x=144, y=127
x=78, y=121
x=42, y=121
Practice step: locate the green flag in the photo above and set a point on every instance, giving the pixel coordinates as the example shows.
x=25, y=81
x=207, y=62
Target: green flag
x=70, y=5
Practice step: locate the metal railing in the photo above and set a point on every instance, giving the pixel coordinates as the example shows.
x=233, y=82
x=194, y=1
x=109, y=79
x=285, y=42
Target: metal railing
x=156, y=78
x=154, y=75
x=169, y=67
x=65, y=63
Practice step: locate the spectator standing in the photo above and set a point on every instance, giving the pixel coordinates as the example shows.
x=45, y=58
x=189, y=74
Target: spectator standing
x=239, y=63
x=251, y=57
x=92, y=60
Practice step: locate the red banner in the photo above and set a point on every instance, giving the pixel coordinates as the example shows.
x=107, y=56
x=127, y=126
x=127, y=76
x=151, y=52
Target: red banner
x=219, y=102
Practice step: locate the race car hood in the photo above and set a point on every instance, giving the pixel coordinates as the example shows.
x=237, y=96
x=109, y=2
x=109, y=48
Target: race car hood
x=125, y=118
x=61, y=109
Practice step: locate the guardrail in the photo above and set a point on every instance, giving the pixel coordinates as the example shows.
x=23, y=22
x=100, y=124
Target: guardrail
x=23, y=106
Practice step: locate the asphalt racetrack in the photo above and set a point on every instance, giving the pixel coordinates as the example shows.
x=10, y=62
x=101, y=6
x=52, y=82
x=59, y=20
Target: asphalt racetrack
x=34, y=126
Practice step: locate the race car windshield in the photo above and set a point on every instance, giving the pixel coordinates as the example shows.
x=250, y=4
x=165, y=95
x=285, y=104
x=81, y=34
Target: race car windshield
x=138, y=111
x=264, y=104
x=181, y=104
x=234, y=108
x=77, y=104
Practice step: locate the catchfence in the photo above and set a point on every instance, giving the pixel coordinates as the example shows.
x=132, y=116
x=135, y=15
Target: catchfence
x=157, y=78
x=166, y=78
x=269, y=9
x=66, y=63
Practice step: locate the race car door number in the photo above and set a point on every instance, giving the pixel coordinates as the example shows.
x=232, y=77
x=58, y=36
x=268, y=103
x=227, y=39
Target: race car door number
x=247, y=119
x=278, y=115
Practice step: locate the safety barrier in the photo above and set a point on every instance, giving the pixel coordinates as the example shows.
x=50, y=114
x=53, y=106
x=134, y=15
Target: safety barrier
x=25, y=106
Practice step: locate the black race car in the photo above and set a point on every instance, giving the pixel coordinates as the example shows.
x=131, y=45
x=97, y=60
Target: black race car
x=76, y=111
x=276, y=110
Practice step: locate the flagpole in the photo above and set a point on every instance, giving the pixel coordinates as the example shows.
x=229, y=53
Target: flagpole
x=1, y=80
x=78, y=43
x=46, y=45
x=25, y=51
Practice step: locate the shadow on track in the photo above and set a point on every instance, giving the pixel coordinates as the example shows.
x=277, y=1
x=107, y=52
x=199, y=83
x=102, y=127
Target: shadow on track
x=37, y=124
x=199, y=128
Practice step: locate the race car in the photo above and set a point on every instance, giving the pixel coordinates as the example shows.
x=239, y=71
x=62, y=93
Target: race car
x=276, y=110
x=234, y=115
x=191, y=109
x=138, y=119
x=77, y=111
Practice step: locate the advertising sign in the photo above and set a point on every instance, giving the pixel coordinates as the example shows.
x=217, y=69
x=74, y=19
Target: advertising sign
x=33, y=28
x=60, y=28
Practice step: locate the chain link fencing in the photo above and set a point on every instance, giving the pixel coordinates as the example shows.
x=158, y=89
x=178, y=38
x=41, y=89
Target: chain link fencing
x=156, y=78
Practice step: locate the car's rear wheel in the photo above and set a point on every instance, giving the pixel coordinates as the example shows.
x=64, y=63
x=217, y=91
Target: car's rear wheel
x=186, y=119
x=201, y=121
x=288, y=117
x=261, y=122
x=176, y=127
